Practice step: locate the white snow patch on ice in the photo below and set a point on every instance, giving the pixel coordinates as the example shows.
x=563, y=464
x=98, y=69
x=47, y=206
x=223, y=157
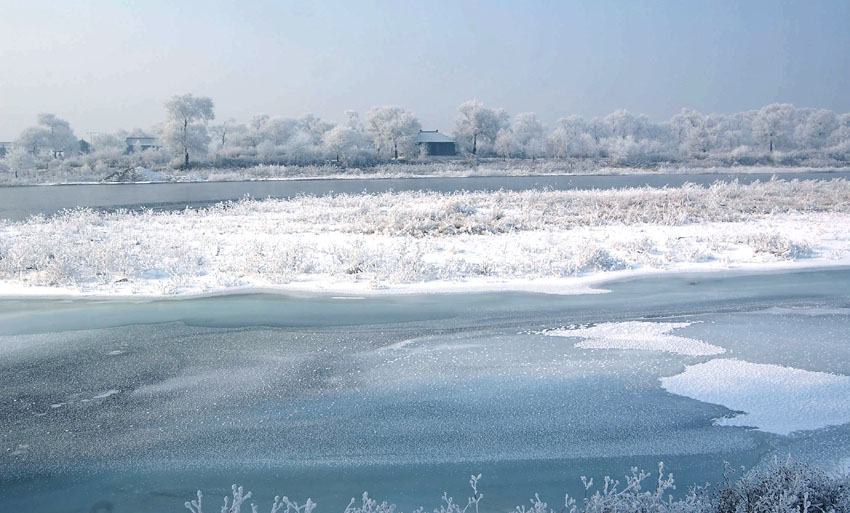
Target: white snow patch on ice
x=813, y=312
x=774, y=398
x=104, y=395
x=20, y=449
x=645, y=336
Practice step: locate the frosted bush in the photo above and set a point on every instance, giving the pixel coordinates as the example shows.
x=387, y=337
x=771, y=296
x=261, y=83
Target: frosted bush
x=590, y=258
x=781, y=487
x=778, y=246
x=683, y=249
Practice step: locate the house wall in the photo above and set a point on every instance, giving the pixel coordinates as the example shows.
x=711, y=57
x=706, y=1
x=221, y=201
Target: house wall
x=441, y=148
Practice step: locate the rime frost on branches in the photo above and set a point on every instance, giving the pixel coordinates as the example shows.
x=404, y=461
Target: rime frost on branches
x=185, y=131
x=784, y=486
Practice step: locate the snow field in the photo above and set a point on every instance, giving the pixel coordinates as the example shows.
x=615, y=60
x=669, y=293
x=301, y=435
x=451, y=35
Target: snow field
x=424, y=241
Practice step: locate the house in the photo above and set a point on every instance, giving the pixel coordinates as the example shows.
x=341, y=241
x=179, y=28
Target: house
x=141, y=144
x=433, y=143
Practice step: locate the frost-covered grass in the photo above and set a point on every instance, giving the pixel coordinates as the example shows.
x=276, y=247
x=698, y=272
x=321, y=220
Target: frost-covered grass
x=476, y=167
x=375, y=241
x=454, y=168
x=782, y=487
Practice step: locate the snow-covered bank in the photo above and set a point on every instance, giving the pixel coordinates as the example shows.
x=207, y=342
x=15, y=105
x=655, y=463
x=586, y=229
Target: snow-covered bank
x=447, y=169
x=464, y=169
x=544, y=241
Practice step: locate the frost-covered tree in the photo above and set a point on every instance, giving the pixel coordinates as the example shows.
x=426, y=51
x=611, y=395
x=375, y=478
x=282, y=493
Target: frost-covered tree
x=20, y=161
x=528, y=132
x=348, y=141
x=60, y=138
x=52, y=136
x=571, y=137
x=814, y=131
x=315, y=127
x=394, y=129
x=185, y=131
x=507, y=144
x=476, y=123
x=771, y=122
x=623, y=123
x=33, y=140
x=693, y=134
x=219, y=134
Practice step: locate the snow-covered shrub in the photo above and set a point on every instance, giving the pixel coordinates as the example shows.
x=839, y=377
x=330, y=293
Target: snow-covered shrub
x=784, y=486
x=781, y=487
x=778, y=246
x=593, y=258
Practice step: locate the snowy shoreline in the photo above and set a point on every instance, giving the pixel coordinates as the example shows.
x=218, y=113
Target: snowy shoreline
x=271, y=173
x=559, y=242
x=590, y=284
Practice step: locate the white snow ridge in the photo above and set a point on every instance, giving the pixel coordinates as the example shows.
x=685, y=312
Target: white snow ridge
x=776, y=399
x=641, y=335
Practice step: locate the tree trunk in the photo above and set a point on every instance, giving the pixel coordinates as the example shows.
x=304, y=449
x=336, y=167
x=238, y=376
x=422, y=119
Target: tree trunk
x=474, y=144
x=185, y=138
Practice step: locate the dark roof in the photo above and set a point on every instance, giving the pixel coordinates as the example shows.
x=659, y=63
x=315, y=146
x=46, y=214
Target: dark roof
x=432, y=136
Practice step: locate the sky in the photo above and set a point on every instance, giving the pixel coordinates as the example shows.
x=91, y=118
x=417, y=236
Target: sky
x=105, y=65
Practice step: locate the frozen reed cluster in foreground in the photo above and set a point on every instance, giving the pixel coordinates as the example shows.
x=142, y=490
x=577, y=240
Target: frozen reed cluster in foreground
x=782, y=487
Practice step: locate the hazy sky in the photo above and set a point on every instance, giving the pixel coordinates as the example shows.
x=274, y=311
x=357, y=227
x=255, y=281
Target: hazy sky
x=105, y=65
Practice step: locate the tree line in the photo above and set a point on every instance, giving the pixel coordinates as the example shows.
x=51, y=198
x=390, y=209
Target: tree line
x=190, y=136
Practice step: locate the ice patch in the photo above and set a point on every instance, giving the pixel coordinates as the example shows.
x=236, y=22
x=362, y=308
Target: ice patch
x=106, y=394
x=774, y=399
x=21, y=449
x=777, y=310
x=645, y=336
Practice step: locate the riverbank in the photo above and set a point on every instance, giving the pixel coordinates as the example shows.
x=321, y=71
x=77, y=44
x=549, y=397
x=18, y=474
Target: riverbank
x=441, y=169
x=415, y=242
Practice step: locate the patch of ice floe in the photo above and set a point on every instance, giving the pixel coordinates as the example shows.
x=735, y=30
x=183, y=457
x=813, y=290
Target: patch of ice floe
x=641, y=335
x=774, y=398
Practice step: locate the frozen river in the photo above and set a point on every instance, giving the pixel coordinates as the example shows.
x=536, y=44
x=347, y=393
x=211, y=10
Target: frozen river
x=134, y=405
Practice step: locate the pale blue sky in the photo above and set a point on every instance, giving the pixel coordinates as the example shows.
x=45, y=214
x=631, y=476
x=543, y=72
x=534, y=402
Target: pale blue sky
x=106, y=65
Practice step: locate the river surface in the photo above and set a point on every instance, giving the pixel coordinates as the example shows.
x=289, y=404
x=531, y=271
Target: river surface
x=131, y=406
x=18, y=203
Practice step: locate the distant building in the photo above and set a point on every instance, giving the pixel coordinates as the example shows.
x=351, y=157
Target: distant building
x=5, y=147
x=85, y=147
x=141, y=144
x=435, y=143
